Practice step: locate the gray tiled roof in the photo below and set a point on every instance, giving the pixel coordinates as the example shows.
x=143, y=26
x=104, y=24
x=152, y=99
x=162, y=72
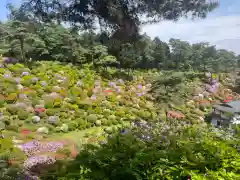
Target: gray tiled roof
x=233, y=107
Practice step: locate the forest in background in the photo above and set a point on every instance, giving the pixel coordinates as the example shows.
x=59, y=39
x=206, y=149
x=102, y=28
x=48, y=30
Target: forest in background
x=26, y=38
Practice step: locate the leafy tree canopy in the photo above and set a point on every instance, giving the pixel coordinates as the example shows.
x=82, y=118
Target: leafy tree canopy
x=122, y=17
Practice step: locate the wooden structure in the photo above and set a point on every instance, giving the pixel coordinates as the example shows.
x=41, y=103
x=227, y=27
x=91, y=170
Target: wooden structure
x=224, y=113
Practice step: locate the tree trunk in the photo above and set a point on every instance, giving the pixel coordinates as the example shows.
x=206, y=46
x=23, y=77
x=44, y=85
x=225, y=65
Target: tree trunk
x=22, y=50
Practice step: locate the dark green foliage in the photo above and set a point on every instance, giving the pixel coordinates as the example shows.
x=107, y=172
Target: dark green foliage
x=9, y=153
x=23, y=115
x=173, y=87
x=45, y=41
x=122, y=18
x=41, y=39
x=175, y=152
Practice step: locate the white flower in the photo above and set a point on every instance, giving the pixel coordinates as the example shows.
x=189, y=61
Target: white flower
x=43, y=83
x=64, y=128
x=60, y=81
x=201, y=95
x=79, y=83
x=42, y=130
x=20, y=87
x=36, y=119
x=25, y=73
x=7, y=75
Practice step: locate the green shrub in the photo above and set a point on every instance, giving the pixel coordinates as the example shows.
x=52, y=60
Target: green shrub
x=12, y=109
x=43, y=114
x=49, y=104
x=12, y=97
x=22, y=114
x=198, y=112
x=112, y=118
x=57, y=103
x=12, y=128
x=51, y=112
x=76, y=91
x=98, y=123
x=104, y=121
x=114, y=122
x=72, y=126
x=6, y=120
x=120, y=113
x=2, y=126
x=108, y=130
x=92, y=118
x=106, y=112
x=26, y=81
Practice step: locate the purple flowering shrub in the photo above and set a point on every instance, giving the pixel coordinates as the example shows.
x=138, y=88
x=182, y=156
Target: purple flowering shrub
x=9, y=60
x=33, y=161
x=36, y=152
x=212, y=85
x=34, y=147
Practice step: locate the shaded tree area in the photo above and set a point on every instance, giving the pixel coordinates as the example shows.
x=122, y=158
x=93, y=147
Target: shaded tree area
x=122, y=18
x=175, y=151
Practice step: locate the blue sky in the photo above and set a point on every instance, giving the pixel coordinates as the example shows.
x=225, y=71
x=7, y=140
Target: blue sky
x=3, y=10
x=220, y=28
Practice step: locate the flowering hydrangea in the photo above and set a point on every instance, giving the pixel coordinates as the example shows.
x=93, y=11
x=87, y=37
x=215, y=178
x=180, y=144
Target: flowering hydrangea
x=211, y=88
x=118, y=88
x=39, y=110
x=107, y=90
x=56, y=88
x=20, y=87
x=124, y=131
x=7, y=75
x=9, y=60
x=25, y=73
x=112, y=84
x=21, y=105
x=139, y=94
x=36, y=119
x=235, y=121
x=208, y=74
x=33, y=147
x=51, y=146
x=58, y=76
x=55, y=95
x=64, y=127
x=93, y=97
x=22, y=96
x=42, y=130
x=34, y=79
x=43, y=83
x=79, y=83
x=38, y=160
x=53, y=119
x=18, y=80
x=121, y=81
x=59, y=80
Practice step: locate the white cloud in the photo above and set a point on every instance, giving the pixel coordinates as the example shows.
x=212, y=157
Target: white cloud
x=220, y=31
